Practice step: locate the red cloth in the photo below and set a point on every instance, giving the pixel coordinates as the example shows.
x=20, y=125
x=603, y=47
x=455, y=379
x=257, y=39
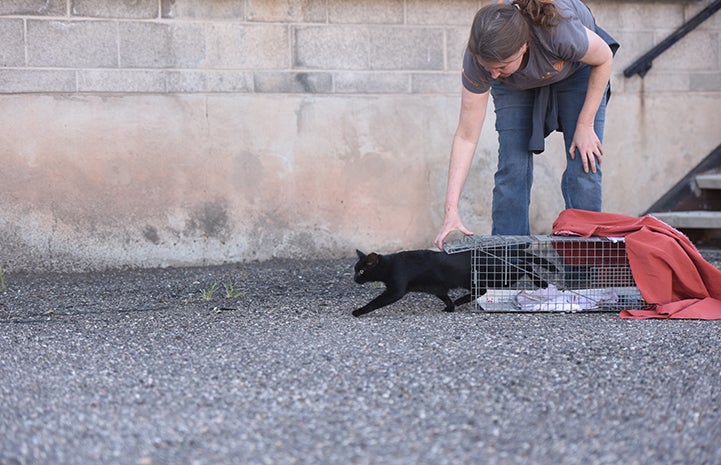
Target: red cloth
x=668, y=269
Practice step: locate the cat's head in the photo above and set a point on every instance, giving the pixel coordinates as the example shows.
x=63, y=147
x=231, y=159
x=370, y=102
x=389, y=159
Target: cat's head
x=365, y=267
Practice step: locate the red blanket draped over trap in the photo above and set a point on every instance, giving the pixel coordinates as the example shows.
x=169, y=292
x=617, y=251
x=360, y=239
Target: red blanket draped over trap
x=668, y=269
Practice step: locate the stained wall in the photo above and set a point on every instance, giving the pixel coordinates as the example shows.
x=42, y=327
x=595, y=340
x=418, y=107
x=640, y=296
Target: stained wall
x=162, y=133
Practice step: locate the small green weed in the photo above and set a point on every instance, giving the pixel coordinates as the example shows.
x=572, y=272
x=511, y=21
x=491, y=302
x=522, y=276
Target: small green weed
x=3, y=283
x=209, y=292
x=232, y=290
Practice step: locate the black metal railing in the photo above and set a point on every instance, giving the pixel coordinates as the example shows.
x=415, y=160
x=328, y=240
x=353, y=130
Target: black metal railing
x=643, y=64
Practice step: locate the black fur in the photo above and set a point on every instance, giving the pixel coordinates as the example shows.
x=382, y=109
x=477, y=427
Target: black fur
x=425, y=271
x=437, y=273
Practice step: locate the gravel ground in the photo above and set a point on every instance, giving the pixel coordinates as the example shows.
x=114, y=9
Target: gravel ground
x=137, y=367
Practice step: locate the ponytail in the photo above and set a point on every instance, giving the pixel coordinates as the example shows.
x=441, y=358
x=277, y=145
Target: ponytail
x=542, y=12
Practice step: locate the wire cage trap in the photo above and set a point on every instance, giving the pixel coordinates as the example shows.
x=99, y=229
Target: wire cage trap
x=549, y=274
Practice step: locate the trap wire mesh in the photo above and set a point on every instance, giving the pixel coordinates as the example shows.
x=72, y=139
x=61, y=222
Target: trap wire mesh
x=550, y=274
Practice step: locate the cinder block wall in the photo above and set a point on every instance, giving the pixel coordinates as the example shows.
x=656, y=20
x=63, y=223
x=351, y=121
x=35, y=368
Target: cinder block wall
x=185, y=132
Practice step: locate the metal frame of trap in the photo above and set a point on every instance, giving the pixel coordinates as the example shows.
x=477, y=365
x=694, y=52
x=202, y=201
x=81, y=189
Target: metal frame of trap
x=550, y=273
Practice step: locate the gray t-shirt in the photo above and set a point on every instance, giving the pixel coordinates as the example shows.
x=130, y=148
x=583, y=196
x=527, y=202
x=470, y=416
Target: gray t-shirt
x=553, y=53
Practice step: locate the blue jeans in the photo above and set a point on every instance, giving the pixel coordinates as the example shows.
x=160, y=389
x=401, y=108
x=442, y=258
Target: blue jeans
x=514, y=176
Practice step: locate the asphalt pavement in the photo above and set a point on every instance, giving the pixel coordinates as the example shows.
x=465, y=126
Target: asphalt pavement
x=262, y=363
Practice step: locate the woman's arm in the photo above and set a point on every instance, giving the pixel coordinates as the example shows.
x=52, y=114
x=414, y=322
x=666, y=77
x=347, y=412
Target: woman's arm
x=585, y=140
x=463, y=147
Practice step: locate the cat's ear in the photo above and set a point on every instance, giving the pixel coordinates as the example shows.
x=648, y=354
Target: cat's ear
x=372, y=259
x=361, y=255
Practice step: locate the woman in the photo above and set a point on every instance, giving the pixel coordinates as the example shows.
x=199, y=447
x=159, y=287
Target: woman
x=547, y=65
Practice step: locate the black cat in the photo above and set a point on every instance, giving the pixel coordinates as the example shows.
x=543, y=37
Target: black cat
x=425, y=271
x=437, y=273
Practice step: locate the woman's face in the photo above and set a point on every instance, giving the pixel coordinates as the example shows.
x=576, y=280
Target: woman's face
x=505, y=68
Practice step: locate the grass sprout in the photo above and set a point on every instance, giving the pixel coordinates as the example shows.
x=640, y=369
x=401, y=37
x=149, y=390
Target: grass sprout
x=232, y=290
x=3, y=283
x=209, y=292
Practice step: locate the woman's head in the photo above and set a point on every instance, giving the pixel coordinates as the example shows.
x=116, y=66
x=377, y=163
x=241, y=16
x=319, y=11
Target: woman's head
x=498, y=32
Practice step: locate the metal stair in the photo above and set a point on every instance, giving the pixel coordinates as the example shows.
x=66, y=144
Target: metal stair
x=694, y=204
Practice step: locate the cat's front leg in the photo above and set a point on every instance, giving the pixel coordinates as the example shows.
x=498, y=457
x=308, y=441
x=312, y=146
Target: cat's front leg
x=450, y=306
x=386, y=298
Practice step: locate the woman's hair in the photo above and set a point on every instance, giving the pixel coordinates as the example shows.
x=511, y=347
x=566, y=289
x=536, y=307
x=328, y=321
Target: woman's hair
x=499, y=30
x=541, y=12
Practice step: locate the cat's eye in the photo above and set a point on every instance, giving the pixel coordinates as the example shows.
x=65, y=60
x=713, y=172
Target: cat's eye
x=361, y=271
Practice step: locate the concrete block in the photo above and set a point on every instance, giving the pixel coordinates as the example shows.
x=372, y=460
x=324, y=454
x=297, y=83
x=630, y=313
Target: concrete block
x=35, y=80
x=203, y=9
x=209, y=81
x=667, y=133
x=72, y=44
x=139, y=9
x=642, y=16
x=706, y=82
x=161, y=45
x=293, y=11
x=191, y=81
x=658, y=81
x=12, y=52
x=633, y=46
x=694, y=8
x=699, y=50
x=373, y=83
x=456, y=43
x=605, y=16
x=436, y=83
x=103, y=80
x=33, y=7
x=289, y=176
x=366, y=12
x=295, y=83
x=618, y=82
x=331, y=47
x=459, y=12
x=249, y=46
x=407, y=48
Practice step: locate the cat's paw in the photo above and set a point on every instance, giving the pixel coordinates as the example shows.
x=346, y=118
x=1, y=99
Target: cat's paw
x=360, y=311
